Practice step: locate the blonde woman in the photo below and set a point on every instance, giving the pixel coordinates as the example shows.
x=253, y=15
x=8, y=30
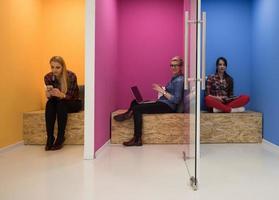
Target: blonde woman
x=172, y=95
x=63, y=98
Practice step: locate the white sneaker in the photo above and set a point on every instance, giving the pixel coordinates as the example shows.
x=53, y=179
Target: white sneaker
x=239, y=109
x=215, y=110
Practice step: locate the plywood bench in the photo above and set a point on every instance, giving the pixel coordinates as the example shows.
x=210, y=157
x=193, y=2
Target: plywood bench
x=171, y=128
x=157, y=129
x=245, y=127
x=34, y=129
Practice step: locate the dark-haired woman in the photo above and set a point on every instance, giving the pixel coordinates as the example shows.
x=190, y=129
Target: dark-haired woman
x=219, y=91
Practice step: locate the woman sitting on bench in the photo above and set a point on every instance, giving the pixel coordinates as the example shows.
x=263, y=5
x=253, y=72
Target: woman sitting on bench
x=167, y=103
x=63, y=98
x=219, y=91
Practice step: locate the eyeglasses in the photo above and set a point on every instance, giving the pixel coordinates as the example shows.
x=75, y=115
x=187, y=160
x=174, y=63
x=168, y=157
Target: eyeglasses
x=175, y=65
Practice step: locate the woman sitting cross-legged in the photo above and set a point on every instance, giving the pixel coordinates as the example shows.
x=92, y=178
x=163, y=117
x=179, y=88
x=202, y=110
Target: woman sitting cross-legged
x=167, y=103
x=219, y=91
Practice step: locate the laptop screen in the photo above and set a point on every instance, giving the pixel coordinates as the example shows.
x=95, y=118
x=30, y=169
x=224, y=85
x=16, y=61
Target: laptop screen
x=136, y=93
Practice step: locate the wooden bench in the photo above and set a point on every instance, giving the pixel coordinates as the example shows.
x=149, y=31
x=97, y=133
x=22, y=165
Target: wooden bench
x=157, y=129
x=34, y=129
x=245, y=127
x=171, y=128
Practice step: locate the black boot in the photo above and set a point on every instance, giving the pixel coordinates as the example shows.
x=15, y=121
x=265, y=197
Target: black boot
x=58, y=144
x=123, y=116
x=133, y=142
x=49, y=143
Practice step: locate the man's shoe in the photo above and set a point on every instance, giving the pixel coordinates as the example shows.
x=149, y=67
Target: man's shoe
x=133, y=142
x=122, y=117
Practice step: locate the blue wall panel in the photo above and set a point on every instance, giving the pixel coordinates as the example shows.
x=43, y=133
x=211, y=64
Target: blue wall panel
x=265, y=73
x=229, y=31
x=246, y=33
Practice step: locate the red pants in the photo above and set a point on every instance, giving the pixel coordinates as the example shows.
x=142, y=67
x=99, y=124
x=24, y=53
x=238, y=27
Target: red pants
x=211, y=102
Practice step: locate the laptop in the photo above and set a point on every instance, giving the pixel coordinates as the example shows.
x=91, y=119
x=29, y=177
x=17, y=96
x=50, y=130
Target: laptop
x=138, y=97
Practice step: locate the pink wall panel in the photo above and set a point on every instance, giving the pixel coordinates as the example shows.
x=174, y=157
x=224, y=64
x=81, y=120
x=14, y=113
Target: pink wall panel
x=105, y=69
x=150, y=33
x=135, y=40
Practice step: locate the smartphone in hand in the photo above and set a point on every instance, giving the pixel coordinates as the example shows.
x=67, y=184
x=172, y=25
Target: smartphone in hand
x=49, y=87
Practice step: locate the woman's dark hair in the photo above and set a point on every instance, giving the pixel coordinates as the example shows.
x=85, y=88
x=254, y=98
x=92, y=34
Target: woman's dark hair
x=227, y=77
x=218, y=60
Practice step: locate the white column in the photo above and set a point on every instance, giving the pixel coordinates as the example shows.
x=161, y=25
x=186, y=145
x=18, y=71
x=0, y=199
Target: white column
x=89, y=80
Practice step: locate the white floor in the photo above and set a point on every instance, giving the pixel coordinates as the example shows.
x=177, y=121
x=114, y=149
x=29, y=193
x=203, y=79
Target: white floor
x=151, y=172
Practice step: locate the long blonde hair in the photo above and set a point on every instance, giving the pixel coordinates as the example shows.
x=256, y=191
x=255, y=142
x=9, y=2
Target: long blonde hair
x=63, y=79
